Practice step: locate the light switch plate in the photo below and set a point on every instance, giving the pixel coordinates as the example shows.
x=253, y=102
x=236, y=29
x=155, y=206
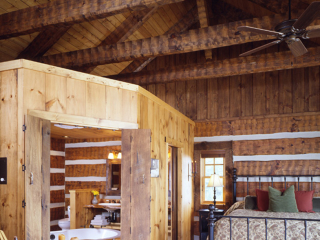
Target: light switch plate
x=3, y=170
x=154, y=167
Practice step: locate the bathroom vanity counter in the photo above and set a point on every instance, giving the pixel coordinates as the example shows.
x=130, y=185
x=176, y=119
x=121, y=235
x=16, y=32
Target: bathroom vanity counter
x=106, y=206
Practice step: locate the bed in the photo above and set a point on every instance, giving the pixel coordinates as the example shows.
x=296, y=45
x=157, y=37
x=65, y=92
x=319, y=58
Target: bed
x=244, y=220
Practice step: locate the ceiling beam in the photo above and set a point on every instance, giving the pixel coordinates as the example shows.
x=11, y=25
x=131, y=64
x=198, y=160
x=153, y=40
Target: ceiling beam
x=204, y=22
x=250, y=7
x=190, y=41
x=67, y=12
x=124, y=31
x=229, y=67
x=43, y=42
x=183, y=24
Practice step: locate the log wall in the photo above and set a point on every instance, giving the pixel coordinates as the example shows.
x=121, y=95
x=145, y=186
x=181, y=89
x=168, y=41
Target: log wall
x=57, y=182
x=272, y=93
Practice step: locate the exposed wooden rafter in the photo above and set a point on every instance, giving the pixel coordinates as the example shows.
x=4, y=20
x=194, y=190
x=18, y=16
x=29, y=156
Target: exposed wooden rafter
x=228, y=67
x=204, y=22
x=43, y=42
x=250, y=7
x=182, y=25
x=67, y=12
x=194, y=40
x=125, y=30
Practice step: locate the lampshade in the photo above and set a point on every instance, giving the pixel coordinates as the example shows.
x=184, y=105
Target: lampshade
x=215, y=181
x=110, y=155
x=119, y=155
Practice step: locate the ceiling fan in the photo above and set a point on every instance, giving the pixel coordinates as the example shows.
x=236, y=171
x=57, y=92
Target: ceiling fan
x=290, y=31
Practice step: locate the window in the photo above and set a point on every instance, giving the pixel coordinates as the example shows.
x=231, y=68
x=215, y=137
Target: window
x=211, y=164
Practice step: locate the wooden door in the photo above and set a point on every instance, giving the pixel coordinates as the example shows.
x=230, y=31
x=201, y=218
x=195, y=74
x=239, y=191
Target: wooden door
x=37, y=178
x=174, y=195
x=135, y=184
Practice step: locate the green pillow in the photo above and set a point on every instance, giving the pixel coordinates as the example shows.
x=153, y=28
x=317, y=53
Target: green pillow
x=282, y=203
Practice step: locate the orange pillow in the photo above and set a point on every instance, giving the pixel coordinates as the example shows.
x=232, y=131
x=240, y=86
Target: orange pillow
x=304, y=200
x=262, y=200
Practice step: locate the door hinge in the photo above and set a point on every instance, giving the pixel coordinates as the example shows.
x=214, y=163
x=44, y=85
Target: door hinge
x=165, y=139
x=130, y=198
x=130, y=230
x=24, y=127
x=23, y=168
x=130, y=170
x=24, y=203
x=150, y=229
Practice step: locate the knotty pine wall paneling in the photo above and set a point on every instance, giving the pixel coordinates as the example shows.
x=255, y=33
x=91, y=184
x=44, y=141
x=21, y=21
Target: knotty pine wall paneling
x=57, y=182
x=270, y=93
x=168, y=127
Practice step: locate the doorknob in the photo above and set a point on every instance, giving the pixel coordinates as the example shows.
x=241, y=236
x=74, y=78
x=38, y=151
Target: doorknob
x=31, y=178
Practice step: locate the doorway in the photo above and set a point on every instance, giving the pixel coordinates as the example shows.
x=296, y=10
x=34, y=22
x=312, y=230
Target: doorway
x=172, y=193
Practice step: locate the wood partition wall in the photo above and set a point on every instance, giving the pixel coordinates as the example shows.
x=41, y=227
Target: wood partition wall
x=70, y=97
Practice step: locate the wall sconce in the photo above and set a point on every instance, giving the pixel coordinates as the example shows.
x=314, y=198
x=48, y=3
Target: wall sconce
x=114, y=155
x=193, y=169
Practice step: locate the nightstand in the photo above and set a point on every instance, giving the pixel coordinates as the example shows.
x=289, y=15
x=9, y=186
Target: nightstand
x=203, y=222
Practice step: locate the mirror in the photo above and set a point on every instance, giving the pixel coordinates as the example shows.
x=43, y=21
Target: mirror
x=113, y=186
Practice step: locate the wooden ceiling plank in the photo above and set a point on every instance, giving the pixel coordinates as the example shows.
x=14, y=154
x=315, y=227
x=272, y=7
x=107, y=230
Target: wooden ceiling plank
x=190, y=41
x=182, y=25
x=204, y=22
x=67, y=12
x=229, y=67
x=43, y=42
x=126, y=28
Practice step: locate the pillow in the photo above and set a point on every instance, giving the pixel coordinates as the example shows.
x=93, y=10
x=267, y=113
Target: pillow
x=262, y=200
x=285, y=203
x=250, y=202
x=304, y=200
x=316, y=204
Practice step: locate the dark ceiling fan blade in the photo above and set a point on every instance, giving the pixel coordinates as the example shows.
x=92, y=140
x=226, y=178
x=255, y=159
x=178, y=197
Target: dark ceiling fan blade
x=313, y=33
x=260, y=48
x=307, y=17
x=259, y=31
x=296, y=46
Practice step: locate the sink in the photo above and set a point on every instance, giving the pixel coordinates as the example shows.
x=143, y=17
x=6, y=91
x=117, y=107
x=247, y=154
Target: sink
x=111, y=205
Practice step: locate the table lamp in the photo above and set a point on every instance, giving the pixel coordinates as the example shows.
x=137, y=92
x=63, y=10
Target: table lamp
x=215, y=181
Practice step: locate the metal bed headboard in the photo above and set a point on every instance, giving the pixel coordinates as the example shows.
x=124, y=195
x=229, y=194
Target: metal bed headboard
x=235, y=177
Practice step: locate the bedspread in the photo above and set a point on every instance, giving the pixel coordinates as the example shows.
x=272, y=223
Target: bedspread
x=276, y=228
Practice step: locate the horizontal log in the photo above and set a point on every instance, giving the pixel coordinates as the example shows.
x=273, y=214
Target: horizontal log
x=303, y=186
x=57, y=196
x=67, y=13
x=97, y=170
x=57, y=213
x=194, y=40
x=57, y=144
x=56, y=179
x=276, y=146
x=57, y=162
x=278, y=167
x=90, y=152
x=263, y=125
x=229, y=67
x=100, y=186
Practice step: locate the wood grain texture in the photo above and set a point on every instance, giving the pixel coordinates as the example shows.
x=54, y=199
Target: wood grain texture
x=279, y=167
x=90, y=152
x=276, y=146
x=57, y=196
x=189, y=41
x=96, y=170
x=262, y=63
x=57, y=144
x=264, y=125
x=66, y=13
x=72, y=185
x=57, y=179
x=56, y=213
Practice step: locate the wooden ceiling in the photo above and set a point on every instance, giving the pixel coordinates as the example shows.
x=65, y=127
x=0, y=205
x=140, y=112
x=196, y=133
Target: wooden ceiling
x=84, y=133
x=119, y=38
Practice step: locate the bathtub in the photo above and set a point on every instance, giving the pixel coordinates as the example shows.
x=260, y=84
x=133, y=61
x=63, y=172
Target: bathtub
x=87, y=234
